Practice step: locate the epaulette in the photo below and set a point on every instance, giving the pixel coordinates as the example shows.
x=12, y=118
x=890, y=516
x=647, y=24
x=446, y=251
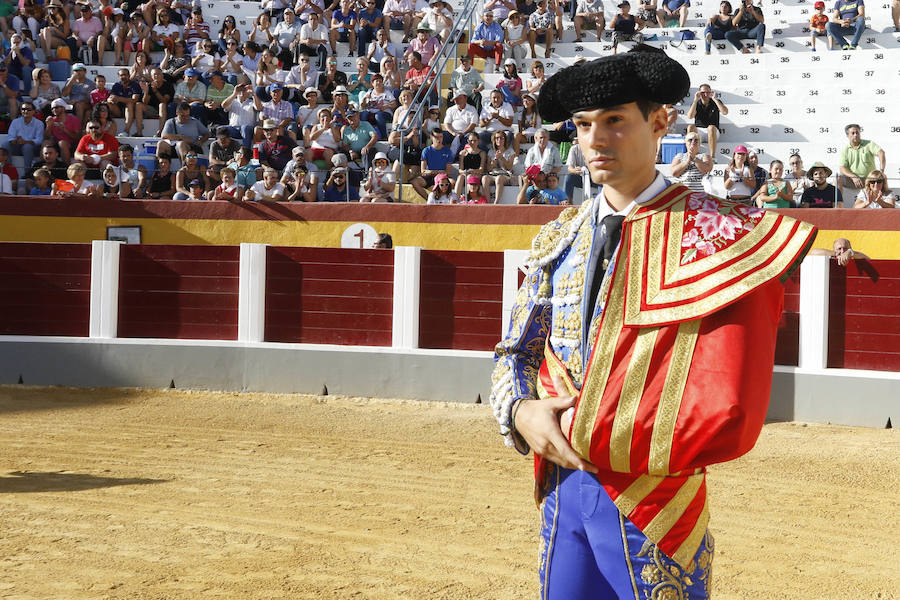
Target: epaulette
x=546, y=245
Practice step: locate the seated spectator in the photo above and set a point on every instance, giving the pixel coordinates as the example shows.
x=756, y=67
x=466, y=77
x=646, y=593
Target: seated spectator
x=552, y=194
x=322, y=138
x=532, y=183
x=278, y=110
x=97, y=150
x=541, y=29
x=307, y=115
x=510, y=84
x=588, y=12
x=537, y=79
x=425, y=44
x=175, y=62
x=529, y=123
x=298, y=79
x=132, y=36
x=336, y=188
x=241, y=110
x=164, y=31
x=125, y=98
x=192, y=92
x=418, y=75
x=162, y=182
x=487, y=40
x=75, y=184
x=759, y=174
x=797, y=178
x=648, y=12
x=368, y=20
x=389, y=69
x=379, y=49
x=821, y=194
x=497, y=115
x=245, y=170
x=739, y=180
x=19, y=60
x=25, y=135
x=876, y=193
x=625, y=26
x=474, y=194
x=858, y=159
x=101, y=115
x=227, y=190
x=674, y=10
x=848, y=17
x=818, y=24
x=216, y=94
x=131, y=177
x=775, y=192
x=42, y=183
x=501, y=9
x=56, y=30
x=195, y=28
x=516, y=30
x=78, y=90
x=275, y=150
x=87, y=35
x=472, y=161
x=460, y=120
x=7, y=169
x=841, y=251
x=378, y=106
x=412, y=138
x=399, y=15
x=301, y=186
x=438, y=17
x=360, y=82
x=576, y=168
x=157, y=94
x=342, y=26
x=287, y=35
x=190, y=171
x=749, y=23
x=436, y=159
x=50, y=160
x=9, y=92
x=384, y=241
x=358, y=139
x=331, y=79
x=718, y=25
x=443, y=191
x=43, y=92
x=499, y=166
x=314, y=39
x=706, y=111
x=223, y=147
x=467, y=80
x=379, y=185
x=692, y=166
x=544, y=153
x=185, y=131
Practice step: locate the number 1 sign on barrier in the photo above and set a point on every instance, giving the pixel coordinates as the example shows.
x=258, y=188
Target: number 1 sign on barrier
x=359, y=235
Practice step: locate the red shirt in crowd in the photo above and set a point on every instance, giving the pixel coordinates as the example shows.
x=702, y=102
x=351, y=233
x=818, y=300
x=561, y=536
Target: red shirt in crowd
x=105, y=145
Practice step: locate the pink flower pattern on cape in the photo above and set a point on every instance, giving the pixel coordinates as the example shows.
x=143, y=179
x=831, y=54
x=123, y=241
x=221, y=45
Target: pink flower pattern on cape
x=712, y=223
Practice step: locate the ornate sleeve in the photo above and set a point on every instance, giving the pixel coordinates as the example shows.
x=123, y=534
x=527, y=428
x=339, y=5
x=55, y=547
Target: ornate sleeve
x=518, y=356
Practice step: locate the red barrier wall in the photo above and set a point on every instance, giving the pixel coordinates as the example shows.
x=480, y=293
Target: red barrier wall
x=179, y=292
x=329, y=296
x=461, y=300
x=787, y=344
x=864, y=324
x=45, y=289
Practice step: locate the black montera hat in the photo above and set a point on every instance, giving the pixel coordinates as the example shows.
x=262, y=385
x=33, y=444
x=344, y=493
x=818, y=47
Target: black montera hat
x=644, y=73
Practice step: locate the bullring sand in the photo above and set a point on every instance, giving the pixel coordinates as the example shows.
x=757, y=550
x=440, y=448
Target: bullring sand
x=146, y=494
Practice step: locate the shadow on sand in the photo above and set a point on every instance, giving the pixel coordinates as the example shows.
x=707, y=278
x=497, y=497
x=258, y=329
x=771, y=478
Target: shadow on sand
x=23, y=482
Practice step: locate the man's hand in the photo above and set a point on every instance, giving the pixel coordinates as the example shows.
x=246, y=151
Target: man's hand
x=541, y=423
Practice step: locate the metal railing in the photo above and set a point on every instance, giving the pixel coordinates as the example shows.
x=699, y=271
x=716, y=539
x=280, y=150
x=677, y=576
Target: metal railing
x=448, y=48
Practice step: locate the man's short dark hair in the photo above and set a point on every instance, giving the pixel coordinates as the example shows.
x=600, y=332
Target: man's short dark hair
x=647, y=107
x=438, y=131
x=416, y=54
x=851, y=126
x=184, y=106
x=126, y=148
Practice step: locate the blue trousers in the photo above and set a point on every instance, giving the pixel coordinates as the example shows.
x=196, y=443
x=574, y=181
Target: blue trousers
x=715, y=34
x=837, y=32
x=589, y=551
x=735, y=35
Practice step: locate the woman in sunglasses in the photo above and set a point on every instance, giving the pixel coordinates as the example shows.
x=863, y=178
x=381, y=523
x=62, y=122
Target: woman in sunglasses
x=228, y=33
x=875, y=194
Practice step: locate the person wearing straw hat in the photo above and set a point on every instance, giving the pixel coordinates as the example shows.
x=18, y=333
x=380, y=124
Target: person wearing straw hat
x=628, y=380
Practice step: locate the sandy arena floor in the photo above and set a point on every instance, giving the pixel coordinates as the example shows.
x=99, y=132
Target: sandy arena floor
x=154, y=494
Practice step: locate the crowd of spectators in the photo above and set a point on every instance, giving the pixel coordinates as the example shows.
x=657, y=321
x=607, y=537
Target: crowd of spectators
x=272, y=118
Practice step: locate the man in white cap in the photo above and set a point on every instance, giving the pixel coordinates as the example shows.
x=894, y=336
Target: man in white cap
x=63, y=128
x=275, y=150
x=379, y=186
x=78, y=90
x=459, y=120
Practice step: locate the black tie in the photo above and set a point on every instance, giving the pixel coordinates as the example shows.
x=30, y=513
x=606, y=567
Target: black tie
x=613, y=230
